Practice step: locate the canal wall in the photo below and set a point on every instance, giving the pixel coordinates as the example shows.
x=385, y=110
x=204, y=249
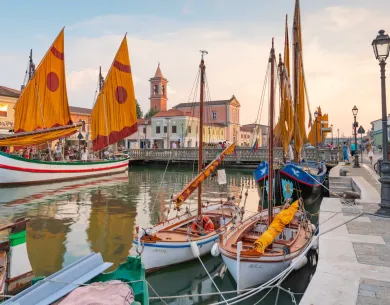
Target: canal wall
x=354, y=256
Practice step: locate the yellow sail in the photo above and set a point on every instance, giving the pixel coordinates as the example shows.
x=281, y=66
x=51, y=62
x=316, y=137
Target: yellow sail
x=44, y=101
x=299, y=85
x=276, y=227
x=34, y=138
x=193, y=185
x=114, y=115
x=285, y=127
x=316, y=129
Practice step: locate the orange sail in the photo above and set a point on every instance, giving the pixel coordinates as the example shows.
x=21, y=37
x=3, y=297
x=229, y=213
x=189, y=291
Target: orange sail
x=44, y=102
x=114, y=115
x=193, y=185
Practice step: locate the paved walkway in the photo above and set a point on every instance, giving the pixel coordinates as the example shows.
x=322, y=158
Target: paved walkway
x=354, y=259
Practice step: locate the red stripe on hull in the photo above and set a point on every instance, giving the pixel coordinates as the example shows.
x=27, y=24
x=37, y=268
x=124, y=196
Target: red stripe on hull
x=298, y=180
x=53, y=171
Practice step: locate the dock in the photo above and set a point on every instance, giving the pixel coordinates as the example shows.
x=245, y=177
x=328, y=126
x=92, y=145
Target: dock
x=354, y=259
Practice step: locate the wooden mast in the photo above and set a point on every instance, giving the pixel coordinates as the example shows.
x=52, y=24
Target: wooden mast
x=271, y=136
x=281, y=74
x=295, y=78
x=30, y=66
x=200, y=161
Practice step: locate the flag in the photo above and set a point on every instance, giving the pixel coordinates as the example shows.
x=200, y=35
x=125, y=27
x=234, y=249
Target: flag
x=255, y=146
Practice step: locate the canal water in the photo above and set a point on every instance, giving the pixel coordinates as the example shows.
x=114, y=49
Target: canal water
x=72, y=219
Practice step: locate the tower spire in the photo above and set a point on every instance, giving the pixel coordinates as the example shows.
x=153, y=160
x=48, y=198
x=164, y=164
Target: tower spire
x=158, y=91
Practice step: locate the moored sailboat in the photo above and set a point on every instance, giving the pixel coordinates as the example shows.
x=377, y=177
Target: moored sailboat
x=172, y=241
x=297, y=177
x=42, y=115
x=262, y=246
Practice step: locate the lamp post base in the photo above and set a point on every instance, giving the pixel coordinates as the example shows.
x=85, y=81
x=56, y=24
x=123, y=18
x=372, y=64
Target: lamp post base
x=385, y=185
x=356, y=164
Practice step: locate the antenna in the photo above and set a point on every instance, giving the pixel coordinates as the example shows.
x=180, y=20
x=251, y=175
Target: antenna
x=203, y=53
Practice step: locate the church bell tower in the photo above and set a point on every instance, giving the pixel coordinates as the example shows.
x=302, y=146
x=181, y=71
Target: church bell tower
x=158, y=91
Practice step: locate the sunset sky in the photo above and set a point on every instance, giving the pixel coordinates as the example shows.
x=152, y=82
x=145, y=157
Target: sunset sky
x=339, y=63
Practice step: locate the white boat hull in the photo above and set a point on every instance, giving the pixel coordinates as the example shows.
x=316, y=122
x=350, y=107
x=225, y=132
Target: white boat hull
x=17, y=171
x=254, y=273
x=159, y=255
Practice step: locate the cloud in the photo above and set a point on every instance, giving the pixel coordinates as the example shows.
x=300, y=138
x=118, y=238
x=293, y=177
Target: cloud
x=339, y=65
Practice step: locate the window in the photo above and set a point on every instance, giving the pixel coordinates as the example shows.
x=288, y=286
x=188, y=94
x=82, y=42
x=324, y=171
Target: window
x=157, y=129
x=163, y=90
x=155, y=90
x=214, y=115
x=155, y=107
x=144, y=130
x=165, y=129
x=3, y=110
x=173, y=129
x=189, y=129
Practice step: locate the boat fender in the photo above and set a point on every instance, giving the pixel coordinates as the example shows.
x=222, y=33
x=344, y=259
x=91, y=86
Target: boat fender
x=314, y=245
x=195, y=249
x=302, y=262
x=215, y=250
x=313, y=227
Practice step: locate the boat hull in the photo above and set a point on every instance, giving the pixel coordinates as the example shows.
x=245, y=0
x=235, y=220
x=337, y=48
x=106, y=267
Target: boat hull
x=254, y=272
x=16, y=171
x=291, y=181
x=162, y=254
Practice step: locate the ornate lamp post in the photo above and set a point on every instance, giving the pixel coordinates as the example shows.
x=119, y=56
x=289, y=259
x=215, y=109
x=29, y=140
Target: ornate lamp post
x=356, y=156
x=381, y=46
x=316, y=121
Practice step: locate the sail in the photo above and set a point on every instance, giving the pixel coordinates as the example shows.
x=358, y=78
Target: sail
x=276, y=227
x=44, y=101
x=285, y=126
x=38, y=136
x=315, y=130
x=114, y=115
x=193, y=185
x=299, y=84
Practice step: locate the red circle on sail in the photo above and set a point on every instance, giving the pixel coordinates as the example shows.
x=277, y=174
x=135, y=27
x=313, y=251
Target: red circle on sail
x=52, y=81
x=121, y=94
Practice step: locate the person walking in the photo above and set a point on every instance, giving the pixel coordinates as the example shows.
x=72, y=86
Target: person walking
x=345, y=152
x=353, y=149
x=370, y=152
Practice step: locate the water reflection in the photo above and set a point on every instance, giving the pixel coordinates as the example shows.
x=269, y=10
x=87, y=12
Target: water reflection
x=71, y=219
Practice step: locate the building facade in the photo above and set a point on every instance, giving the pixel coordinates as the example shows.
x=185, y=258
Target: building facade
x=158, y=91
x=376, y=131
x=8, y=98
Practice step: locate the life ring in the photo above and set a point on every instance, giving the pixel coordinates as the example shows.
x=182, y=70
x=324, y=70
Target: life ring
x=207, y=223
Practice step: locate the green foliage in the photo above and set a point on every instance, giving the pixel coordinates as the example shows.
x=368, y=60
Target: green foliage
x=139, y=110
x=151, y=113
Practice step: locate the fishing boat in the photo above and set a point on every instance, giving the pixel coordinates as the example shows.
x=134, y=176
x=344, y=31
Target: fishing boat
x=262, y=246
x=298, y=176
x=15, y=268
x=42, y=115
x=173, y=241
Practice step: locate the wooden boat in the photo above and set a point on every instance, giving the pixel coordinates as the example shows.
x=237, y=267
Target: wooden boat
x=42, y=115
x=271, y=239
x=15, y=269
x=172, y=241
x=299, y=177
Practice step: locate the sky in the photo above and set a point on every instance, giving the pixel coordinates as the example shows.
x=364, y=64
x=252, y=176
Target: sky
x=340, y=67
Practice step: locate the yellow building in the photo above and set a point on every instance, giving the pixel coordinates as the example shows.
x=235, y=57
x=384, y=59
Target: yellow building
x=8, y=98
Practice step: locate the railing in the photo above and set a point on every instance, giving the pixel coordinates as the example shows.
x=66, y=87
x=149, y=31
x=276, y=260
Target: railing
x=242, y=155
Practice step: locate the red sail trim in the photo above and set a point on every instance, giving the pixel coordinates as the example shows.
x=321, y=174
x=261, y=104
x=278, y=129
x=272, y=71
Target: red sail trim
x=115, y=136
x=53, y=171
x=57, y=53
x=122, y=67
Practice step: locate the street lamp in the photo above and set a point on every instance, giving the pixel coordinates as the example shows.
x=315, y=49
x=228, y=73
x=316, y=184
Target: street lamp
x=381, y=46
x=356, y=156
x=316, y=117
x=331, y=126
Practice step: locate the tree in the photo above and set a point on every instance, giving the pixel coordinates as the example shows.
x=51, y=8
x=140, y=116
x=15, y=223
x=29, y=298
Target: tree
x=139, y=110
x=151, y=113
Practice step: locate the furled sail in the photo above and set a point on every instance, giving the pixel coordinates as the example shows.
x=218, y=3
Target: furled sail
x=114, y=116
x=316, y=129
x=276, y=227
x=44, y=101
x=285, y=126
x=193, y=185
x=299, y=84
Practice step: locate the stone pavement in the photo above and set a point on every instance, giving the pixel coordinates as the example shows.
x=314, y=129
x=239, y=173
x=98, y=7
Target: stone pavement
x=354, y=259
